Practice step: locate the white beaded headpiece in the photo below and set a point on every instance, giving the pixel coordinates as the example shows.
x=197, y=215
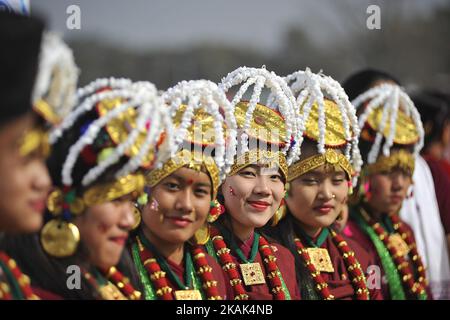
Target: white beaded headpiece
x=281, y=98
x=310, y=88
x=391, y=98
x=203, y=94
x=57, y=76
x=150, y=111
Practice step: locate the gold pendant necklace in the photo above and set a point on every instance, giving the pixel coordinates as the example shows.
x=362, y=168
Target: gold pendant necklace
x=396, y=241
x=320, y=259
x=111, y=292
x=252, y=273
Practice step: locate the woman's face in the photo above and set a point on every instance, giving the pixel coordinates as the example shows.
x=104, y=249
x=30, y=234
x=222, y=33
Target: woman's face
x=24, y=182
x=317, y=197
x=388, y=190
x=178, y=206
x=104, y=230
x=253, y=195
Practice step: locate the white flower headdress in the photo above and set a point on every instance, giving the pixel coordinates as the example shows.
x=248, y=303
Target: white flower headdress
x=203, y=94
x=391, y=98
x=310, y=88
x=281, y=100
x=57, y=76
x=150, y=111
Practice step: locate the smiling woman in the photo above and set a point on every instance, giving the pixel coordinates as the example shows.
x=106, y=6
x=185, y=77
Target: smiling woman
x=252, y=194
x=167, y=247
x=328, y=265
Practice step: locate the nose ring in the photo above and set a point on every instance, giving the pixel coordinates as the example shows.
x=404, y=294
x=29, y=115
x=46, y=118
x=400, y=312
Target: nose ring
x=333, y=196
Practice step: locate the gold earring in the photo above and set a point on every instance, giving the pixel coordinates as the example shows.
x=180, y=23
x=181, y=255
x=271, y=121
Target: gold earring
x=201, y=236
x=279, y=214
x=137, y=217
x=60, y=238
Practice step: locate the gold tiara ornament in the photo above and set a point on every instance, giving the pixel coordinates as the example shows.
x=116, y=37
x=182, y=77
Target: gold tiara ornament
x=192, y=160
x=266, y=158
x=400, y=159
x=330, y=157
x=97, y=194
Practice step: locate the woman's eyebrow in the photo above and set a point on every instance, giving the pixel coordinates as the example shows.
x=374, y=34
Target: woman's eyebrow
x=176, y=177
x=315, y=172
x=203, y=184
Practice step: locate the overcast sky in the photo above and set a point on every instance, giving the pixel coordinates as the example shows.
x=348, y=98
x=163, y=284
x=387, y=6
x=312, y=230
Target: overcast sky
x=259, y=24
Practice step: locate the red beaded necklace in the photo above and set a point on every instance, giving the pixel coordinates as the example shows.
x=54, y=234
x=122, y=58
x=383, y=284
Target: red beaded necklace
x=123, y=283
x=230, y=267
x=22, y=282
x=119, y=287
x=353, y=267
x=403, y=265
x=158, y=276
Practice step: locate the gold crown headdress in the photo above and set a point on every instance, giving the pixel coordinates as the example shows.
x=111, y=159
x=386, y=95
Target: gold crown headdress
x=202, y=118
x=275, y=125
x=393, y=116
x=328, y=117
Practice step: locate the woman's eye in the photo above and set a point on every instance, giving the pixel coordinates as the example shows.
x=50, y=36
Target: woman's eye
x=309, y=180
x=338, y=180
x=247, y=174
x=172, y=186
x=29, y=158
x=119, y=201
x=201, y=192
x=275, y=177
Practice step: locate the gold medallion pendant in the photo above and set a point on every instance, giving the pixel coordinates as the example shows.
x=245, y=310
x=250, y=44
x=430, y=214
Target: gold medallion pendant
x=111, y=292
x=320, y=259
x=188, y=295
x=252, y=274
x=60, y=238
x=396, y=241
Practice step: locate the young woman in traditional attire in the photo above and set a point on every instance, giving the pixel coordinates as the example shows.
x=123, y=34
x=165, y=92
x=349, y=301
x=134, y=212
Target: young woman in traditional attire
x=391, y=138
x=329, y=265
x=25, y=181
x=168, y=247
x=257, y=268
